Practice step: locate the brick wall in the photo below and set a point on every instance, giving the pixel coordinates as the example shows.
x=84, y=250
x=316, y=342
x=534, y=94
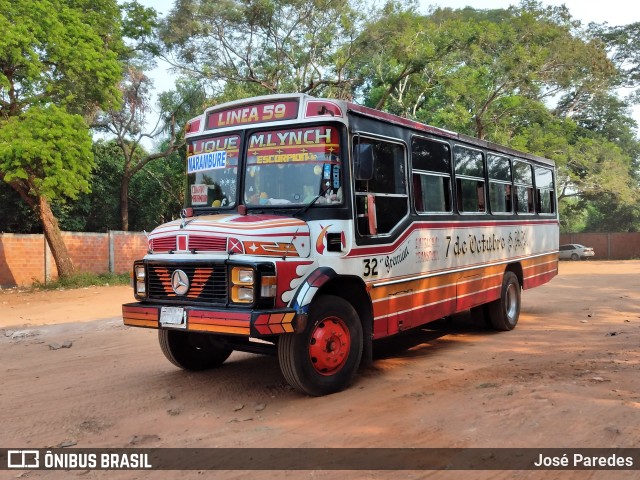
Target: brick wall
x=127, y=247
x=607, y=246
x=21, y=259
x=26, y=258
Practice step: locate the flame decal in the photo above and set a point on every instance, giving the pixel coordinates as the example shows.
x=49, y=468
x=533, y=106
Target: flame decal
x=320, y=240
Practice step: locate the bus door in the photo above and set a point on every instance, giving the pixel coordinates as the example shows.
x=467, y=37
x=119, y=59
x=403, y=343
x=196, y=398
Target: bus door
x=382, y=213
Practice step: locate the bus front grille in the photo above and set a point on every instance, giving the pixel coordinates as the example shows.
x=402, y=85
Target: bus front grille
x=207, y=283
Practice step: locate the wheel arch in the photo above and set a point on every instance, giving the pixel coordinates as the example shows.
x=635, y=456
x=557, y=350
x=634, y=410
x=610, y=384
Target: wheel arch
x=516, y=268
x=325, y=281
x=353, y=290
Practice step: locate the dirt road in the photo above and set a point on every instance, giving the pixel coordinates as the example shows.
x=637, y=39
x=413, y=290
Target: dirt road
x=567, y=376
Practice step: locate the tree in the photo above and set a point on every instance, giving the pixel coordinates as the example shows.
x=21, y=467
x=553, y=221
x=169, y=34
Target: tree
x=483, y=67
x=128, y=124
x=156, y=193
x=159, y=192
x=623, y=45
x=265, y=46
x=529, y=77
x=54, y=53
x=43, y=155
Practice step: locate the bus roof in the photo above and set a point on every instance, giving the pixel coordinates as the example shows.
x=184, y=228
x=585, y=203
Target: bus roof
x=281, y=109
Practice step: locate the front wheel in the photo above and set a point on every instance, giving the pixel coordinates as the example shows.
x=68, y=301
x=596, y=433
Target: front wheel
x=504, y=312
x=325, y=357
x=192, y=350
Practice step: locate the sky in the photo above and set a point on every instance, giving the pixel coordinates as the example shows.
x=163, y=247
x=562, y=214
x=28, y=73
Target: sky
x=613, y=12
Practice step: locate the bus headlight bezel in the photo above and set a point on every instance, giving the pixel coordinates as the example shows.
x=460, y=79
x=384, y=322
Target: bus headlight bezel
x=139, y=280
x=252, y=285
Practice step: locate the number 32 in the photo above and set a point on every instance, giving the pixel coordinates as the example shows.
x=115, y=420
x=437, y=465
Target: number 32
x=370, y=267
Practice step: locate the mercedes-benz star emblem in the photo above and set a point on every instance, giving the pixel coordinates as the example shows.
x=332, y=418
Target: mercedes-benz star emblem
x=180, y=282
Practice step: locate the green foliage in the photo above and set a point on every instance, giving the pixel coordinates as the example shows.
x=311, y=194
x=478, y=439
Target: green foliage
x=187, y=99
x=267, y=45
x=60, y=52
x=99, y=209
x=529, y=77
x=47, y=152
x=139, y=22
x=157, y=192
x=573, y=215
x=17, y=216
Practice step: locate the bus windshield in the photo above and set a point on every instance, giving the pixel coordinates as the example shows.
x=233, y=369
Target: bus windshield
x=293, y=167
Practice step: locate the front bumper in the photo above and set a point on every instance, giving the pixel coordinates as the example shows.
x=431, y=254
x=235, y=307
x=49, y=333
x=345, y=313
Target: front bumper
x=248, y=323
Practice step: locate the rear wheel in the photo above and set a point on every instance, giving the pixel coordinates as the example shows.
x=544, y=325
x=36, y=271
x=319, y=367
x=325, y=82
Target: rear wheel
x=192, y=350
x=325, y=357
x=504, y=312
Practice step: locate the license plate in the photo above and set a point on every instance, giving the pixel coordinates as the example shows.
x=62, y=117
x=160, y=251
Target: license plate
x=173, y=317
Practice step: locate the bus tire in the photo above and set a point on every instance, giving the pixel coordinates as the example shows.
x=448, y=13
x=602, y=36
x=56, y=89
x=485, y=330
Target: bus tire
x=192, y=350
x=324, y=358
x=504, y=312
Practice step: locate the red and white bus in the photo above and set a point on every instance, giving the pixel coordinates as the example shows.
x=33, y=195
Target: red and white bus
x=314, y=227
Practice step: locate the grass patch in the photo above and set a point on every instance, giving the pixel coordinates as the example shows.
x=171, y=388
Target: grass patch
x=81, y=280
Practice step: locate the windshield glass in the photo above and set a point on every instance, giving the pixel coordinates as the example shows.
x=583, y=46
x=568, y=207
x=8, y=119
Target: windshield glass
x=293, y=167
x=212, y=171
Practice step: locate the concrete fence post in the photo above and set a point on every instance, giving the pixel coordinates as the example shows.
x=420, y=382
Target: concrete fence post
x=112, y=260
x=47, y=263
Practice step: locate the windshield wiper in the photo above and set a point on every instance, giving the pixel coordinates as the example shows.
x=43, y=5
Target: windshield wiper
x=304, y=209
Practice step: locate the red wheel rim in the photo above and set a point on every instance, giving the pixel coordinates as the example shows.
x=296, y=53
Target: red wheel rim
x=329, y=346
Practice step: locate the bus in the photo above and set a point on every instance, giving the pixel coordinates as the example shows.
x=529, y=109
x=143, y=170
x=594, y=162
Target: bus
x=314, y=227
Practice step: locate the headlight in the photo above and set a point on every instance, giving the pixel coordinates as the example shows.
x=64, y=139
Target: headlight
x=140, y=272
x=139, y=277
x=242, y=294
x=242, y=276
x=242, y=284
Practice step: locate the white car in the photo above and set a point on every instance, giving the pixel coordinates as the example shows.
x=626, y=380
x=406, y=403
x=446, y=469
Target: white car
x=575, y=251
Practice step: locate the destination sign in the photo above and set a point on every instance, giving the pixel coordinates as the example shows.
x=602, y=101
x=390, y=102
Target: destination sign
x=315, y=144
x=249, y=114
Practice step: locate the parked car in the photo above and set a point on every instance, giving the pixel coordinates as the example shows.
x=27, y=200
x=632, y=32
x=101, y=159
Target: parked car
x=575, y=251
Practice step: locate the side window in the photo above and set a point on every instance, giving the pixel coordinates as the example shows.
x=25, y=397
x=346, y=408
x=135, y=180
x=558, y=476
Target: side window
x=545, y=202
x=500, y=198
x=431, y=167
x=523, y=185
x=470, y=191
x=388, y=186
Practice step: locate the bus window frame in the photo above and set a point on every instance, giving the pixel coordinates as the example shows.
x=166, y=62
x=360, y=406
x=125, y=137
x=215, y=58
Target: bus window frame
x=432, y=173
x=456, y=177
x=360, y=135
x=509, y=182
x=549, y=189
x=517, y=185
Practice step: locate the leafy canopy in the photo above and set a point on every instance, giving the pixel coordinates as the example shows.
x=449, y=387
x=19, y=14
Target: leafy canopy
x=46, y=152
x=58, y=51
x=268, y=46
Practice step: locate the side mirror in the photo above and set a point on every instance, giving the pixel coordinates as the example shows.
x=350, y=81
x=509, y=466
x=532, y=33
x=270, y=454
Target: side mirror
x=364, y=161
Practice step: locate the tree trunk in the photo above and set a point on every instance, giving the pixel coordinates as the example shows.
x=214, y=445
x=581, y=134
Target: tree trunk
x=124, y=203
x=479, y=128
x=54, y=238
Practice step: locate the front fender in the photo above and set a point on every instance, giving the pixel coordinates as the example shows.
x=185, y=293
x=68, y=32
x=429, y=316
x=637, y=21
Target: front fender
x=307, y=291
